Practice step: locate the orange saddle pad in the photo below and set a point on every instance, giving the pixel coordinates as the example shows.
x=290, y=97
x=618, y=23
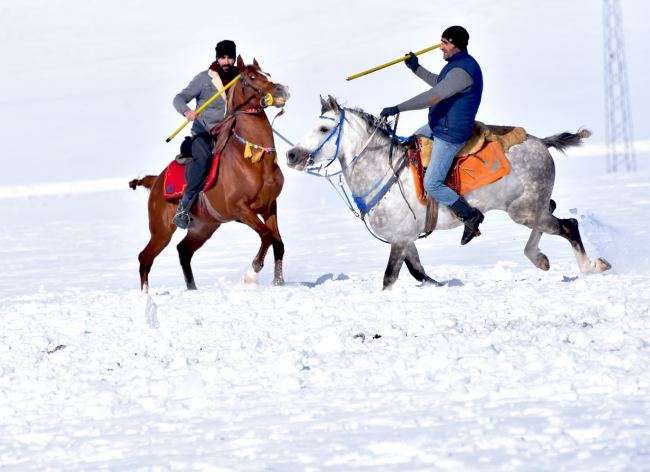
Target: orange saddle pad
x=476, y=170
x=468, y=173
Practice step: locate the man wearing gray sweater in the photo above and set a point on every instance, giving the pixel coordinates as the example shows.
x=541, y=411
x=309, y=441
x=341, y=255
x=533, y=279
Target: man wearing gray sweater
x=201, y=89
x=453, y=102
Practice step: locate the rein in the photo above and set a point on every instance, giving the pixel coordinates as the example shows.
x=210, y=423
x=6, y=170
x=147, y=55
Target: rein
x=316, y=172
x=364, y=208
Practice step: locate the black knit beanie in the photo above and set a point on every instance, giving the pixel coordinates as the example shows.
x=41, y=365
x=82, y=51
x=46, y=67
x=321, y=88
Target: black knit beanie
x=457, y=35
x=226, y=48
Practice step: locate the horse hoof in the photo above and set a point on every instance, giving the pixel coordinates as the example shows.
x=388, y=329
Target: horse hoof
x=251, y=276
x=597, y=266
x=543, y=264
x=604, y=265
x=429, y=282
x=278, y=282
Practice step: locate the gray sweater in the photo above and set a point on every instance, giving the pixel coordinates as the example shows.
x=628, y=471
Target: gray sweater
x=457, y=80
x=202, y=88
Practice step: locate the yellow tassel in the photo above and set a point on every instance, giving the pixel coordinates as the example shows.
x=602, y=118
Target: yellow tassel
x=275, y=159
x=257, y=157
x=247, y=151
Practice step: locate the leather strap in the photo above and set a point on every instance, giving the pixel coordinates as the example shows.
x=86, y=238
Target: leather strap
x=431, y=220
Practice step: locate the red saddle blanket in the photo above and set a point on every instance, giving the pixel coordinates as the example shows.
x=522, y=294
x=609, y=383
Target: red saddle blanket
x=175, y=178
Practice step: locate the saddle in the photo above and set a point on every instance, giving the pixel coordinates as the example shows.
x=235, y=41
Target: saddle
x=175, y=178
x=175, y=172
x=481, y=161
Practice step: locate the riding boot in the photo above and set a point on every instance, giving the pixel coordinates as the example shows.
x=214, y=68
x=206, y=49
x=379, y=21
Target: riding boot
x=182, y=216
x=471, y=217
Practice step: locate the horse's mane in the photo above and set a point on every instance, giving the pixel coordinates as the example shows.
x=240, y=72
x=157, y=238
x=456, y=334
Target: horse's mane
x=373, y=123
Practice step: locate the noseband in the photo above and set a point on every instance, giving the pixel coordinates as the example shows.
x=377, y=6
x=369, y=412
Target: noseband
x=339, y=127
x=266, y=98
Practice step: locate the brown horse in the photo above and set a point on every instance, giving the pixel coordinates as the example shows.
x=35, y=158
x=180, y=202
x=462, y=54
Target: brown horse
x=243, y=190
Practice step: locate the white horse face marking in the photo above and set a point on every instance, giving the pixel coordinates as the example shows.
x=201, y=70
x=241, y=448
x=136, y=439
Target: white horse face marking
x=267, y=76
x=262, y=80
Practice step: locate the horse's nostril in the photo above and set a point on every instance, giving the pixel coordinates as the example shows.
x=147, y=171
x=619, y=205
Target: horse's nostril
x=292, y=156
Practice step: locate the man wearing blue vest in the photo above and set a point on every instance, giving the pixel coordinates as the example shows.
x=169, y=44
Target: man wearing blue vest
x=453, y=102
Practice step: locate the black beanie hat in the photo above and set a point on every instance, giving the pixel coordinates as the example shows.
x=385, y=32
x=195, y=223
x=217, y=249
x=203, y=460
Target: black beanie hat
x=226, y=48
x=457, y=35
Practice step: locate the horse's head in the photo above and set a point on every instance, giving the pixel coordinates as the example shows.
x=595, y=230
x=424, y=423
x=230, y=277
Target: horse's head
x=257, y=88
x=312, y=148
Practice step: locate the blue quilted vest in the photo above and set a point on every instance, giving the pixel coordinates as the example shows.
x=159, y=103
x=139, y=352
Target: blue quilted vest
x=452, y=119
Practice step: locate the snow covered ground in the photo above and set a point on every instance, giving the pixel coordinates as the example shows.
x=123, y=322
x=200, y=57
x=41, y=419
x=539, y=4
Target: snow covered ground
x=504, y=368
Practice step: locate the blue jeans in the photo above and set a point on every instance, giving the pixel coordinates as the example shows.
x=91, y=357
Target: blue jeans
x=442, y=156
x=197, y=168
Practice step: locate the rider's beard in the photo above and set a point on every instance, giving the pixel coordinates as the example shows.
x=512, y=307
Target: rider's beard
x=229, y=74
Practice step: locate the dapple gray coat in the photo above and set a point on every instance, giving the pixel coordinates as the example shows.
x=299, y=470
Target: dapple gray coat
x=524, y=194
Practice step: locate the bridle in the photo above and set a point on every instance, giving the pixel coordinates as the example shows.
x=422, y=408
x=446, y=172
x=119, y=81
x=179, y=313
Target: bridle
x=364, y=208
x=266, y=98
x=339, y=127
x=310, y=159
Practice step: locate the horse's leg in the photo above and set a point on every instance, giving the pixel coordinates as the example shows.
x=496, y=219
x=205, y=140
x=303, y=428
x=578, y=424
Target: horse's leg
x=532, y=251
x=247, y=216
x=161, y=233
x=570, y=232
x=271, y=221
x=414, y=266
x=196, y=236
x=568, y=229
x=396, y=259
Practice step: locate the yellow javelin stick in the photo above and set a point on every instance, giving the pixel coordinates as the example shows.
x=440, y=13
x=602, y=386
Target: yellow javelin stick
x=203, y=107
x=393, y=62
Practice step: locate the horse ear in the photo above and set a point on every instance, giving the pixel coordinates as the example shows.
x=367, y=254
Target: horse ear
x=256, y=64
x=240, y=64
x=333, y=104
x=324, y=106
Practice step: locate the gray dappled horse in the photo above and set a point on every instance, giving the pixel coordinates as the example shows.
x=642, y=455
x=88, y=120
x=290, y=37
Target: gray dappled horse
x=524, y=193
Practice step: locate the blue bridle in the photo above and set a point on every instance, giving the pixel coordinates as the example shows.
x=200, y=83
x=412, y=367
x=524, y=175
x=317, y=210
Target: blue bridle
x=363, y=207
x=316, y=172
x=339, y=127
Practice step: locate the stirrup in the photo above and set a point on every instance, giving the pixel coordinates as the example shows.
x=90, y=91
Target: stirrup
x=468, y=232
x=181, y=218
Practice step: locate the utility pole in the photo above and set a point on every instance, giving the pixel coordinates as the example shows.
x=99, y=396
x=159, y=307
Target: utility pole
x=618, y=118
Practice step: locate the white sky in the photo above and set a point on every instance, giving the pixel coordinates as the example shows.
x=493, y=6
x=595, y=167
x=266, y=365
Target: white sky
x=88, y=85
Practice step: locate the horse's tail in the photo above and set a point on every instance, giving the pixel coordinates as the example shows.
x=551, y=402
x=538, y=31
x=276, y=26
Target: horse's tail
x=565, y=140
x=147, y=182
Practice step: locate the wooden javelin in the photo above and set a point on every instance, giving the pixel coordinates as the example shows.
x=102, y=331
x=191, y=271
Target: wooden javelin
x=393, y=62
